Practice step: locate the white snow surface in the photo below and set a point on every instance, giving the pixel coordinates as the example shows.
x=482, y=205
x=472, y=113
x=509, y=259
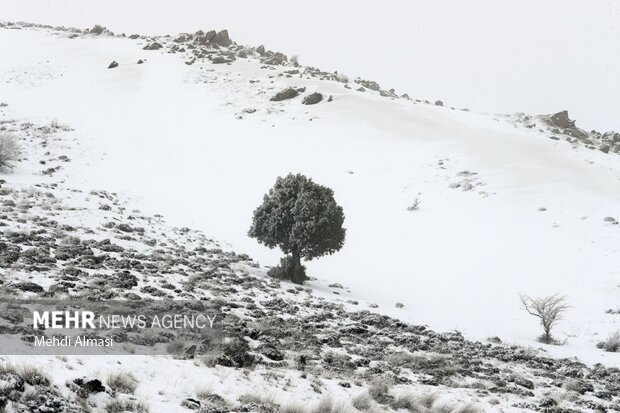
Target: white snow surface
x=167, y=136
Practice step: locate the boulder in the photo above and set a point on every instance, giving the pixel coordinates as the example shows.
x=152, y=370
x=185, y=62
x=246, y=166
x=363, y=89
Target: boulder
x=288, y=93
x=312, y=99
x=28, y=286
x=113, y=65
x=561, y=120
x=368, y=84
x=222, y=38
x=153, y=46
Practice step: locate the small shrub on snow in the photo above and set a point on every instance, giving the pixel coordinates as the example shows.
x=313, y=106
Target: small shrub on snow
x=612, y=343
x=122, y=382
x=9, y=152
x=362, y=402
x=415, y=205
x=292, y=408
x=175, y=347
x=379, y=390
x=236, y=354
x=121, y=406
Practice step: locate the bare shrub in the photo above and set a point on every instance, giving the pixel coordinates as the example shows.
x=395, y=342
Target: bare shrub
x=175, y=347
x=379, y=390
x=33, y=375
x=549, y=310
x=121, y=406
x=327, y=405
x=416, y=403
x=612, y=343
x=362, y=402
x=292, y=408
x=415, y=205
x=469, y=408
x=9, y=152
x=122, y=382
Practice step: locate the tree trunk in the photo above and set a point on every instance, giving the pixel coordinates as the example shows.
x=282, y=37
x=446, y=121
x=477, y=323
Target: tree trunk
x=297, y=275
x=547, y=336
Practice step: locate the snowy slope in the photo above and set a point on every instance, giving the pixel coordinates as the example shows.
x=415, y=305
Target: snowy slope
x=170, y=137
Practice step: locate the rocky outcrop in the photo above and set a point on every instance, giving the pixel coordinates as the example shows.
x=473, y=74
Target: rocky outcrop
x=368, y=84
x=153, y=46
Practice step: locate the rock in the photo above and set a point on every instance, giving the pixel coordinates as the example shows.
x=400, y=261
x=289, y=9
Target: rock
x=438, y=103
x=222, y=39
x=113, y=65
x=221, y=59
x=274, y=59
x=153, y=46
x=84, y=386
x=98, y=30
x=561, y=120
x=191, y=404
x=134, y=36
x=312, y=99
x=28, y=286
x=528, y=384
x=140, y=61
x=368, y=84
x=288, y=93
x=260, y=50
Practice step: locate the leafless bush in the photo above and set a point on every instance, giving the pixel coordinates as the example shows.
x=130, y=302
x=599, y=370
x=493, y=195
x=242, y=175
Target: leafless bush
x=415, y=205
x=122, y=382
x=379, y=390
x=362, y=402
x=9, y=152
x=548, y=309
x=175, y=347
x=122, y=406
x=612, y=344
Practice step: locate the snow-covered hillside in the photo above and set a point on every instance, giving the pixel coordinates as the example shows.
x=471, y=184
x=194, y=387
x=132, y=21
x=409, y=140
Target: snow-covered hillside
x=503, y=209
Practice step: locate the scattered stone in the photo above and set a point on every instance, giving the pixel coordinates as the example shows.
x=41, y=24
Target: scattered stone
x=153, y=46
x=312, y=99
x=222, y=39
x=288, y=93
x=113, y=65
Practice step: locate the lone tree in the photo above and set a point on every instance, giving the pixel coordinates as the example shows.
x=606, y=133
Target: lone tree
x=303, y=219
x=548, y=309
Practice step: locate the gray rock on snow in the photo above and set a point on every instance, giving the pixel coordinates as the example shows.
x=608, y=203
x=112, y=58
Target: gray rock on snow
x=286, y=94
x=561, y=120
x=153, y=46
x=312, y=99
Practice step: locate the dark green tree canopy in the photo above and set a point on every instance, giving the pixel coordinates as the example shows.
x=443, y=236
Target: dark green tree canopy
x=301, y=217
